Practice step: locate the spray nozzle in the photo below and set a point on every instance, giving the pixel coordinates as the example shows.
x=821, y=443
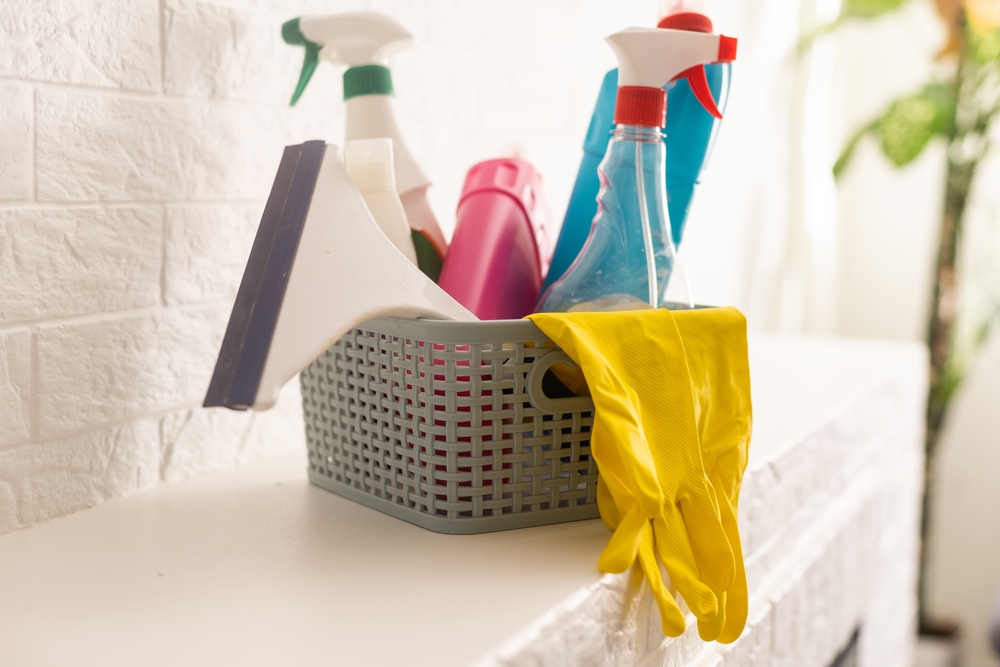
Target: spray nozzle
x=695, y=76
x=650, y=58
x=353, y=39
x=292, y=34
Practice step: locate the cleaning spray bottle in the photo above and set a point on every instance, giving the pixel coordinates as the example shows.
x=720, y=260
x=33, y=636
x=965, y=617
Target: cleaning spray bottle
x=364, y=41
x=370, y=165
x=499, y=251
x=629, y=254
x=694, y=104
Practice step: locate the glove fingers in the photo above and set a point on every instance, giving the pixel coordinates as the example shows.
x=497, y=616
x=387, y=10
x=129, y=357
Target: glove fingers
x=674, y=550
x=736, y=596
x=709, y=542
x=709, y=630
x=736, y=610
x=623, y=547
x=671, y=619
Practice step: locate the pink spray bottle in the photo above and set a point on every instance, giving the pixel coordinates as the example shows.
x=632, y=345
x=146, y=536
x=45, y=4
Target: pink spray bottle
x=501, y=247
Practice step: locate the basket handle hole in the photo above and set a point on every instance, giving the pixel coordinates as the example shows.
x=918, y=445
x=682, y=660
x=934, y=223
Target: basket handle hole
x=564, y=381
x=556, y=386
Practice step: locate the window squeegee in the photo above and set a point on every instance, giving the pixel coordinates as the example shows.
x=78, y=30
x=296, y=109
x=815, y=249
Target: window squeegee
x=319, y=266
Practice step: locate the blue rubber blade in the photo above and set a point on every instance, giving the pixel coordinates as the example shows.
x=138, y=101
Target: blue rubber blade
x=258, y=303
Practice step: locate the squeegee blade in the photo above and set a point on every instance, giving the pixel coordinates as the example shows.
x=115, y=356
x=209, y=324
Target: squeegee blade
x=247, y=341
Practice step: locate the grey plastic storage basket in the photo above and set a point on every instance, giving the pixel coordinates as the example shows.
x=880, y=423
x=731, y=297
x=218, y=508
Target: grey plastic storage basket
x=447, y=425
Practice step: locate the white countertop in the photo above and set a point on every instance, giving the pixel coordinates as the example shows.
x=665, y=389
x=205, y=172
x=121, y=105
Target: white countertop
x=255, y=566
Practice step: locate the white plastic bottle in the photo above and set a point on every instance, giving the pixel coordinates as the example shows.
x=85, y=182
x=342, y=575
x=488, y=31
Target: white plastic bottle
x=364, y=41
x=370, y=165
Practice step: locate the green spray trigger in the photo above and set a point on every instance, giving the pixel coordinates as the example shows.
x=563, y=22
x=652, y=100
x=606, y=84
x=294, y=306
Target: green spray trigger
x=292, y=34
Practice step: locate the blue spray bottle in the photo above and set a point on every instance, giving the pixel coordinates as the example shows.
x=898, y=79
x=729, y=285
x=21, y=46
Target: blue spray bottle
x=629, y=255
x=693, y=103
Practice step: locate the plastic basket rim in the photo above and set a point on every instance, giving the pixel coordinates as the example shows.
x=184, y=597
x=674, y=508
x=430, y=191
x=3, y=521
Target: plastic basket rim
x=451, y=332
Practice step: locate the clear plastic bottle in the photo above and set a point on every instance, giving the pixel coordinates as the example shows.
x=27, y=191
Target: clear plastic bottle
x=629, y=259
x=695, y=101
x=629, y=256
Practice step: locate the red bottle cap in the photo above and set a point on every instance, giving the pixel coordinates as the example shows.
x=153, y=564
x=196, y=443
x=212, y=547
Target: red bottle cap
x=691, y=21
x=639, y=105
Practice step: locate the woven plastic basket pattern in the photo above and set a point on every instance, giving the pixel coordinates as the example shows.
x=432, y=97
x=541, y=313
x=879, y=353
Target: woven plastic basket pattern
x=444, y=434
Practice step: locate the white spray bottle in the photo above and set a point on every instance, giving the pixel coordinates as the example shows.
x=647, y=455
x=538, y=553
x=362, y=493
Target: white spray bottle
x=370, y=165
x=364, y=41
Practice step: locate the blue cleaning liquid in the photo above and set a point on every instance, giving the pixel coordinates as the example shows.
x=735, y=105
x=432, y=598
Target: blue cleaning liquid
x=629, y=255
x=690, y=133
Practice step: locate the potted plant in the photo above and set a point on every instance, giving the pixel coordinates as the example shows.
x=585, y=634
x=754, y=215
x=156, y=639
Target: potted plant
x=959, y=109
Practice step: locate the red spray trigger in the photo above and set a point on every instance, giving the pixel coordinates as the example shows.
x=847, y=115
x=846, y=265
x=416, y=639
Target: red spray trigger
x=699, y=86
x=697, y=22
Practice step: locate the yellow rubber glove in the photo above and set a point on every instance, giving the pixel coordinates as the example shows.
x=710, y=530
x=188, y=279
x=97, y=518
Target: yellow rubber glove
x=715, y=342
x=653, y=490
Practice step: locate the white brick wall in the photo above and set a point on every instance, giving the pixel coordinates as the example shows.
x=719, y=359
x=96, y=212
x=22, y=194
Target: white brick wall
x=90, y=43
x=204, y=258
x=15, y=385
x=59, y=263
x=138, y=142
x=118, y=368
x=15, y=137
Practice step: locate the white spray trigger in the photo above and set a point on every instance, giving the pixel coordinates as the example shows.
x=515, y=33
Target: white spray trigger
x=356, y=38
x=652, y=57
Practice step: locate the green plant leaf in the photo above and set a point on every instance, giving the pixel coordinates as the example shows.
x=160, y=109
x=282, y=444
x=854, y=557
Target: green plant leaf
x=909, y=123
x=985, y=48
x=869, y=8
x=906, y=126
x=849, y=9
x=848, y=152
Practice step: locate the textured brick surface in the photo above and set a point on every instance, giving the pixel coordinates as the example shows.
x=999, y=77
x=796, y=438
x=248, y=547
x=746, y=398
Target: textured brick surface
x=134, y=111
x=87, y=42
x=15, y=385
x=214, y=50
x=198, y=441
x=50, y=479
x=122, y=367
x=207, y=249
x=59, y=263
x=96, y=147
x=16, y=119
